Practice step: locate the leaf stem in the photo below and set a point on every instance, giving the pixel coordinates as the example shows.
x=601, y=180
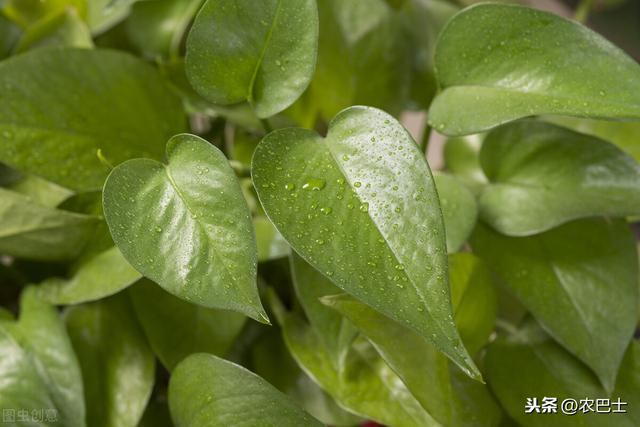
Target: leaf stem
x=266, y=125
x=426, y=135
x=583, y=10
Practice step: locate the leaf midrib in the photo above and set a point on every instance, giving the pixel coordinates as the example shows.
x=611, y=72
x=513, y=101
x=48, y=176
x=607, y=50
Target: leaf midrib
x=263, y=52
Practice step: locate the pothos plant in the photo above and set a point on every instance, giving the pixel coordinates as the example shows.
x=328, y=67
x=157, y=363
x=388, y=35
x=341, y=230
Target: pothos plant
x=212, y=215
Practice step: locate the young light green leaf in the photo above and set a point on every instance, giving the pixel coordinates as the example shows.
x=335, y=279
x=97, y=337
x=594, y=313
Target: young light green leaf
x=264, y=52
x=533, y=63
x=39, y=369
x=176, y=329
x=474, y=299
x=459, y=209
x=206, y=391
x=450, y=397
x=462, y=159
x=104, y=14
x=127, y=111
x=271, y=244
x=29, y=230
x=542, y=176
x=360, y=206
x=28, y=12
x=579, y=280
x=117, y=363
x=365, y=384
x=92, y=278
x=65, y=29
x=530, y=364
x=40, y=190
x=186, y=226
x=333, y=330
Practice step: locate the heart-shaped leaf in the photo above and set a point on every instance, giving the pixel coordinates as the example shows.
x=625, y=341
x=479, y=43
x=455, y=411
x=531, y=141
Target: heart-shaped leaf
x=186, y=226
x=206, y=391
x=264, y=52
x=564, y=275
x=176, y=329
x=39, y=370
x=117, y=363
x=127, y=111
x=543, y=175
x=528, y=364
x=361, y=207
x=532, y=63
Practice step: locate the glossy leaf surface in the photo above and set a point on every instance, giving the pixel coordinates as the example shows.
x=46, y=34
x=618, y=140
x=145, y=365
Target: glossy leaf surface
x=127, y=110
x=532, y=63
x=30, y=230
x=530, y=364
x=117, y=363
x=361, y=207
x=176, y=329
x=579, y=281
x=39, y=368
x=263, y=53
x=206, y=391
x=186, y=226
x=542, y=176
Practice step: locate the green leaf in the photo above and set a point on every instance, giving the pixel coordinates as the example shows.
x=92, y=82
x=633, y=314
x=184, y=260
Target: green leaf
x=271, y=244
x=156, y=28
x=529, y=364
x=356, y=37
x=91, y=279
x=532, y=63
x=65, y=29
x=176, y=329
x=459, y=210
x=39, y=190
x=361, y=207
x=117, y=363
x=271, y=360
x=542, y=176
x=622, y=134
x=462, y=158
x=365, y=385
x=474, y=299
x=30, y=230
x=186, y=226
x=9, y=36
x=206, y=391
x=104, y=14
x=264, y=53
x=39, y=368
x=450, y=397
x=563, y=277
x=127, y=111
x=28, y=12
x=333, y=330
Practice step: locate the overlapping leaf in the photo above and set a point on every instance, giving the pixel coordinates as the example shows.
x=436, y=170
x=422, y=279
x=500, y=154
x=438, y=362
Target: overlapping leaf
x=579, y=280
x=497, y=63
x=186, y=226
x=361, y=207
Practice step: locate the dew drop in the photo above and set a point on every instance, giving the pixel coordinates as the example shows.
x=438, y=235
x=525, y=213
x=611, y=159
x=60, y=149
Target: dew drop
x=290, y=186
x=315, y=184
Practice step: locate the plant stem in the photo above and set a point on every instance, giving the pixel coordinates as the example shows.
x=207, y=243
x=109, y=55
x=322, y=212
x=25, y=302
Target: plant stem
x=266, y=125
x=582, y=11
x=424, y=141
